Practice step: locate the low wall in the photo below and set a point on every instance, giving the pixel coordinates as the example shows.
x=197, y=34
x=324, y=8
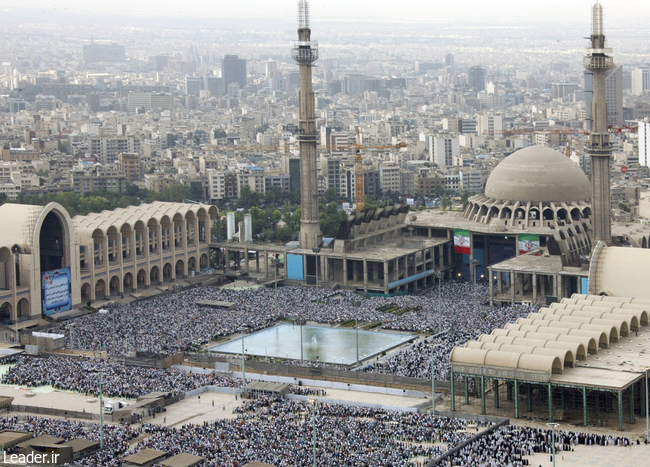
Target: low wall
x=201, y=390
x=345, y=376
x=335, y=385
x=57, y=412
x=451, y=452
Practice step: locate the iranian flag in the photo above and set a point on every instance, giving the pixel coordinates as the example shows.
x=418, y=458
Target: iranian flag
x=461, y=241
x=528, y=242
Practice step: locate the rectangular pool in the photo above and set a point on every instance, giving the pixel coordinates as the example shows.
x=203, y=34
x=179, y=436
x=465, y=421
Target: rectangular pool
x=331, y=345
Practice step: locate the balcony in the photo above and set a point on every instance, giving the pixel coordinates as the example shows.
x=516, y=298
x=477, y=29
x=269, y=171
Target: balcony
x=305, y=51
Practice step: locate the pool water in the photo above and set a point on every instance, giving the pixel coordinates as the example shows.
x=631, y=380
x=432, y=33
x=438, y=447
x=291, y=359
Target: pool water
x=330, y=345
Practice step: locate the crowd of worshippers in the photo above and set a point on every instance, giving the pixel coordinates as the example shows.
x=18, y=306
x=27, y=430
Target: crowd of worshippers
x=118, y=380
x=507, y=446
x=168, y=323
x=279, y=432
x=116, y=438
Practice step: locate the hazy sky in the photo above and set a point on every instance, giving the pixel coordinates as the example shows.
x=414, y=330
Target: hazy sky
x=560, y=11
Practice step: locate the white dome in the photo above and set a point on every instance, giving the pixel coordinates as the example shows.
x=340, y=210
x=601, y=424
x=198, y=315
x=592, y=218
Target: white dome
x=538, y=174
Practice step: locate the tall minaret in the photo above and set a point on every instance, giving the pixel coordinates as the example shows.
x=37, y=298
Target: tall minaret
x=600, y=151
x=305, y=52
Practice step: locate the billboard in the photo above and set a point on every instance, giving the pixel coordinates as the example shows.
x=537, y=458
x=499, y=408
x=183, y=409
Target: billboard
x=57, y=291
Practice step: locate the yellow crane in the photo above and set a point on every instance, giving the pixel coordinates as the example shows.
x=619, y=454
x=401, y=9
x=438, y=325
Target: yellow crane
x=358, y=159
x=359, y=194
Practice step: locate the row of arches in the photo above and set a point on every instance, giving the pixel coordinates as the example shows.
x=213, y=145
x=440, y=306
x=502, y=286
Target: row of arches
x=130, y=283
x=8, y=314
x=170, y=232
x=485, y=210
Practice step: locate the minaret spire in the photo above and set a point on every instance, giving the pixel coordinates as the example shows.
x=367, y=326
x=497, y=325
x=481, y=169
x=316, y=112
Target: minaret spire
x=305, y=52
x=599, y=148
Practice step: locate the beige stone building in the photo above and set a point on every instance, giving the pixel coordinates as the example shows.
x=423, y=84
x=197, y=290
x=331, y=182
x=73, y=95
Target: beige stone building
x=107, y=254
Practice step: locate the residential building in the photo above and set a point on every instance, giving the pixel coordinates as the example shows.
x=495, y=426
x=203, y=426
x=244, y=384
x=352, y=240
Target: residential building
x=640, y=80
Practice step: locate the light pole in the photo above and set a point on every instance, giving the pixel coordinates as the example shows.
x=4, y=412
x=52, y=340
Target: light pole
x=433, y=380
x=275, y=262
x=316, y=251
x=553, y=425
x=647, y=399
x=475, y=263
x=313, y=426
x=439, y=275
x=178, y=288
x=243, y=360
x=356, y=305
x=301, y=345
x=113, y=344
x=16, y=250
x=101, y=414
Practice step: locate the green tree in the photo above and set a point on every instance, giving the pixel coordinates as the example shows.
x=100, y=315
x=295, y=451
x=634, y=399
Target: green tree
x=177, y=193
x=330, y=195
x=446, y=202
x=464, y=198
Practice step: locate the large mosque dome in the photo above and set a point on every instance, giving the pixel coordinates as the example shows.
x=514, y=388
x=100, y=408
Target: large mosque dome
x=538, y=174
x=534, y=187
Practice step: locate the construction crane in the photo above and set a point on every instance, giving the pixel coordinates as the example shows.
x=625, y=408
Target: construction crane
x=359, y=194
x=358, y=159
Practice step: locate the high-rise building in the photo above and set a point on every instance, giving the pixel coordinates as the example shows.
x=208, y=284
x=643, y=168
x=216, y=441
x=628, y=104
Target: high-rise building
x=131, y=165
x=445, y=150
x=476, y=78
x=560, y=90
x=449, y=60
x=193, y=85
x=233, y=70
x=640, y=80
x=271, y=68
x=613, y=92
x=644, y=143
x=489, y=125
x=330, y=169
x=215, y=85
x=93, y=53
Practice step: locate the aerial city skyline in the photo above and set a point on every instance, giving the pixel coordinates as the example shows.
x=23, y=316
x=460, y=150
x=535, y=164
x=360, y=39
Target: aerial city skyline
x=316, y=233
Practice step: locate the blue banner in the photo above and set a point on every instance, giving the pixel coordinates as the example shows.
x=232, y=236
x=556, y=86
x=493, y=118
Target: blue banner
x=57, y=291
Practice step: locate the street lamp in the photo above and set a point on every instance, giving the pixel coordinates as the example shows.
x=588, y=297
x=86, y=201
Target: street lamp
x=177, y=289
x=275, y=262
x=101, y=414
x=439, y=275
x=553, y=426
x=475, y=263
x=316, y=251
x=356, y=305
x=433, y=381
x=647, y=399
x=301, y=345
x=313, y=426
x=243, y=360
x=16, y=250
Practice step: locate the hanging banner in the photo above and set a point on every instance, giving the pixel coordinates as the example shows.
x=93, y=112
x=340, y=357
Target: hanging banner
x=528, y=242
x=461, y=241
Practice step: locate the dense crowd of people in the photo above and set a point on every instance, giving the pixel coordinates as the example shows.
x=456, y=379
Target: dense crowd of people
x=166, y=323
x=172, y=322
x=118, y=380
x=508, y=445
x=469, y=323
x=279, y=432
x=116, y=438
